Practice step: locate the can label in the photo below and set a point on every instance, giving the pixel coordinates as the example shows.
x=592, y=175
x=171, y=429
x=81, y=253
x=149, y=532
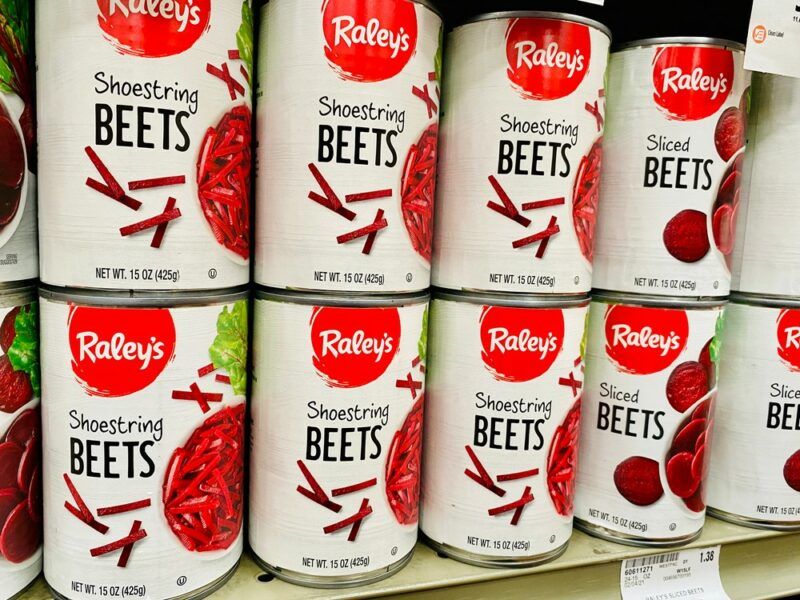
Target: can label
x=767, y=250
x=755, y=451
x=20, y=457
x=146, y=170
x=19, y=258
x=501, y=437
x=348, y=116
x=337, y=436
x=520, y=174
x=650, y=384
x=673, y=161
x=144, y=446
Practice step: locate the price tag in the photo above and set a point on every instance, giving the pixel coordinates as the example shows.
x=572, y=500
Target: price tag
x=685, y=575
x=773, y=44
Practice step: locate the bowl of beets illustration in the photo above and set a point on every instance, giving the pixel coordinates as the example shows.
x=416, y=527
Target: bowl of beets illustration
x=13, y=173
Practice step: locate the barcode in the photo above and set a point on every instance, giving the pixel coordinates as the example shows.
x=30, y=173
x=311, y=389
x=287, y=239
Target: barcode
x=655, y=559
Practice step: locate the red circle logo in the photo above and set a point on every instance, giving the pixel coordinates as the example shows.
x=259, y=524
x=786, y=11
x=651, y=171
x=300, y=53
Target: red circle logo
x=641, y=340
x=692, y=82
x=153, y=28
x=520, y=344
x=788, y=334
x=547, y=59
x=119, y=351
x=369, y=40
x=353, y=346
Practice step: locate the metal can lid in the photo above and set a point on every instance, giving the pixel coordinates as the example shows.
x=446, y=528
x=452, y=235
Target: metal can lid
x=679, y=41
x=141, y=299
x=512, y=299
x=340, y=299
x=464, y=11
x=766, y=301
x=14, y=293
x=540, y=14
x=681, y=302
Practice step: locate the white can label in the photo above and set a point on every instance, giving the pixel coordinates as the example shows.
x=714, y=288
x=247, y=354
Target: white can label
x=146, y=170
x=20, y=439
x=501, y=435
x=348, y=116
x=650, y=383
x=337, y=436
x=144, y=447
x=755, y=451
x=19, y=257
x=767, y=249
x=672, y=170
x=519, y=183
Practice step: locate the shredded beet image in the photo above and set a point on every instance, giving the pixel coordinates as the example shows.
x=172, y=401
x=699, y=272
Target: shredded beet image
x=687, y=459
x=638, y=480
x=20, y=488
x=12, y=168
x=562, y=461
x=687, y=383
x=726, y=206
x=402, y=471
x=791, y=471
x=223, y=180
x=417, y=190
x=729, y=135
x=686, y=237
x=203, y=490
x=586, y=198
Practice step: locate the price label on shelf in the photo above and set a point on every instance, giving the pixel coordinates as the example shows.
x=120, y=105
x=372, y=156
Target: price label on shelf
x=773, y=44
x=686, y=574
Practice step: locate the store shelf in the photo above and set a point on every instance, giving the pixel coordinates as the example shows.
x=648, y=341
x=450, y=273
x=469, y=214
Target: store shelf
x=754, y=564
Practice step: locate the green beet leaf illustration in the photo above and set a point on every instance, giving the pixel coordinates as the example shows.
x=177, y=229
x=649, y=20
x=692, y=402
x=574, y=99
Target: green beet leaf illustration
x=229, y=350
x=24, y=352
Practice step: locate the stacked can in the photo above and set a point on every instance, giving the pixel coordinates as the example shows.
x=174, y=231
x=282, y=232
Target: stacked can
x=145, y=221
x=517, y=204
x=673, y=156
x=348, y=116
x=755, y=459
x=20, y=431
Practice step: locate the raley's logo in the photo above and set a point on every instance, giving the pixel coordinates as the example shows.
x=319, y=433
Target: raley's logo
x=692, y=82
x=153, y=28
x=353, y=346
x=641, y=340
x=547, y=59
x=520, y=344
x=119, y=351
x=369, y=40
x=788, y=333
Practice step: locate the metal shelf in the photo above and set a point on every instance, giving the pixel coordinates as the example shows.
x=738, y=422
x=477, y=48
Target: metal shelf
x=755, y=564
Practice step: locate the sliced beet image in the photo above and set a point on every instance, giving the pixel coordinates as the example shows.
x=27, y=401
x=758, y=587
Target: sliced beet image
x=725, y=209
x=791, y=471
x=687, y=383
x=23, y=427
x=686, y=440
x=35, y=495
x=15, y=387
x=679, y=475
x=729, y=135
x=28, y=463
x=638, y=481
x=20, y=536
x=9, y=499
x=686, y=461
x=705, y=360
x=12, y=167
x=10, y=456
x=8, y=329
x=686, y=237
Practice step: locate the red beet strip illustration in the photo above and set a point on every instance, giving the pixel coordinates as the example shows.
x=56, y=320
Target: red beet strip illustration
x=374, y=195
x=106, y=191
x=164, y=217
x=123, y=508
x=536, y=204
x=197, y=395
x=222, y=379
x=518, y=512
x=571, y=382
x=158, y=236
x=483, y=478
x=206, y=370
x=105, y=173
x=403, y=465
x=543, y=245
x=362, y=513
x=330, y=200
x=233, y=55
x=410, y=383
x=508, y=209
x=357, y=525
x=225, y=76
x=417, y=191
x=85, y=512
x=594, y=110
x=128, y=549
x=377, y=224
x=119, y=544
x=318, y=494
x=143, y=184
x=371, y=237
x=356, y=487
x=526, y=498
x=424, y=95
x=586, y=198
x=518, y=475
x=547, y=233
x=92, y=522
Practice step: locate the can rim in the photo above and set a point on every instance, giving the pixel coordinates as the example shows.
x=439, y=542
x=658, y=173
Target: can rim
x=658, y=301
x=156, y=299
x=540, y=14
x=766, y=301
x=678, y=40
x=512, y=299
x=341, y=299
x=17, y=286
x=429, y=5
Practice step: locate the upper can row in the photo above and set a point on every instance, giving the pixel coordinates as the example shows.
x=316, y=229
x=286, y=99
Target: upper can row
x=146, y=147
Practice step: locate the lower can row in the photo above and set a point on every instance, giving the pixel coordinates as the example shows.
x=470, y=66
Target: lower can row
x=144, y=422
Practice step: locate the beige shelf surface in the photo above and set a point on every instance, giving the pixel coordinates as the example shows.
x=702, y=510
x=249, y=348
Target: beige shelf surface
x=755, y=564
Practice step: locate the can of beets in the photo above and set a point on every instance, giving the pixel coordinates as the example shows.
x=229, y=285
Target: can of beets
x=767, y=250
x=501, y=433
x=336, y=435
x=348, y=112
x=20, y=439
x=143, y=441
x=672, y=168
x=146, y=169
x=519, y=178
x=650, y=384
x=19, y=259
x=754, y=475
